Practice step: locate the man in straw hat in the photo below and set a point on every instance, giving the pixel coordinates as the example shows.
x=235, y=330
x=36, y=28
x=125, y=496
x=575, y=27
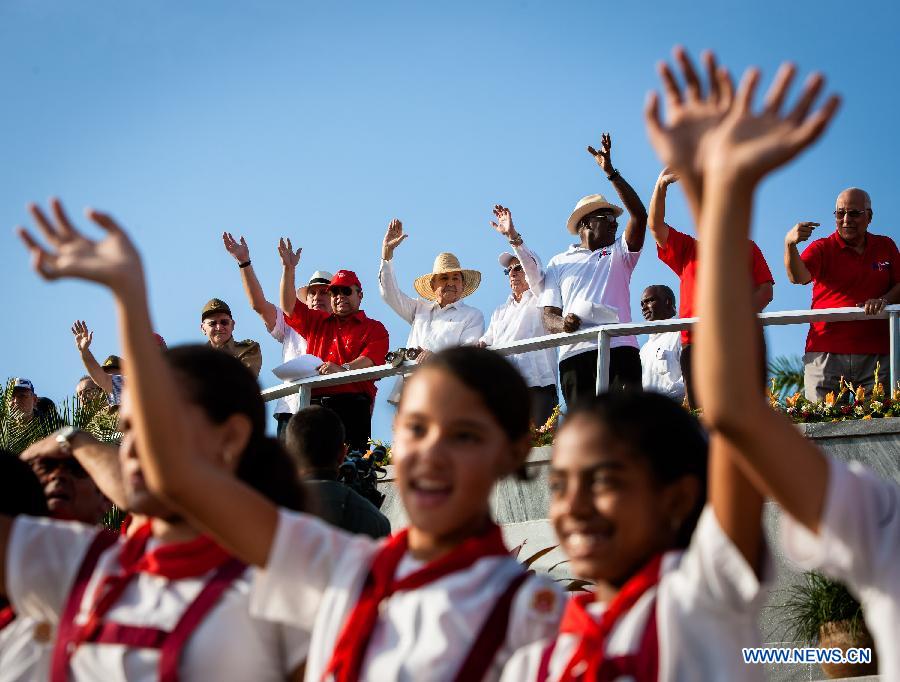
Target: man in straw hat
x=439, y=318
x=593, y=278
x=520, y=317
x=315, y=294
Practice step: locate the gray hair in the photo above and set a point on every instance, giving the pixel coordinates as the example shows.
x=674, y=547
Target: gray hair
x=867, y=198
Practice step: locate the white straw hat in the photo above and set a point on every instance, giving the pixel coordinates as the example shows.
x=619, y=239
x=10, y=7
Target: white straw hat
x=589, y=204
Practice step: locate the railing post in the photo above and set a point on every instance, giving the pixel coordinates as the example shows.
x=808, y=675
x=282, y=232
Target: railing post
x=602, y=361
x=894, y=322
x=305, y=396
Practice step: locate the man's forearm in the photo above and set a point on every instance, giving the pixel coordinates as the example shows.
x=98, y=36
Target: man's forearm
x=656, y=220
x=892, y=295
x=101, y=461
x=254, y=292
x=288, y=290
x=630, y=198
x=95, y=371
x=797, y=271
x=553, y=321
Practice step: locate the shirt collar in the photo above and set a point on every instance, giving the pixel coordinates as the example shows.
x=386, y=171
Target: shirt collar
x=358, y=316
x=836, y=235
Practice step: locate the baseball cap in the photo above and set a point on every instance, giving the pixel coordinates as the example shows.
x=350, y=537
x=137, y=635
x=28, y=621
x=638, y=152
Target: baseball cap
x=345, y=278
x=18, y=382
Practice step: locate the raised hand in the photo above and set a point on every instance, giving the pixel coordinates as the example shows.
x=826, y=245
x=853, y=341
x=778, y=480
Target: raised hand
x=800, y=232
x=238, y=249
x=392, y=239
x=504, y=224
x=747, y=145
x=604, y=156
x=289, y=257
x=83, y=336
x=690, y=116
x=112, y=261
x=666, y=177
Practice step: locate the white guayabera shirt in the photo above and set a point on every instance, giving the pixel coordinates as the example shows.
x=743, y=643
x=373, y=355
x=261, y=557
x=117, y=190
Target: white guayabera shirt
x=293, y=345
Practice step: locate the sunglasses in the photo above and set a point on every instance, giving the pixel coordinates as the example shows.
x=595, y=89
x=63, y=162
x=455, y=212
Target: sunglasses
x=514, y=268
x=341, y=291
x=854, y=213
x=44, y=466
x=602, y=218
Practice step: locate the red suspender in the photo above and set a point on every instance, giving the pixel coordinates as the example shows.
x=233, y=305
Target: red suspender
x=170, y=644
x=546, y=655
x=64, y=647
x=491, y=636
x=226, y=574
x=7, y=616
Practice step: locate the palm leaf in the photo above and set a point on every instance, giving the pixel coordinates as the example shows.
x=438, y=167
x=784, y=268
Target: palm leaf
x=786, y=375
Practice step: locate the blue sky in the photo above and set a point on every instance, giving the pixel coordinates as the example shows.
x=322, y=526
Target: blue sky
x=322, y=121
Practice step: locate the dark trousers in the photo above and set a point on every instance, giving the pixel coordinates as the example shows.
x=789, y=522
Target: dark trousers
x=688, y=374
x=578, y=374
x=282, y=418
x=355, y=411
x=543, y=400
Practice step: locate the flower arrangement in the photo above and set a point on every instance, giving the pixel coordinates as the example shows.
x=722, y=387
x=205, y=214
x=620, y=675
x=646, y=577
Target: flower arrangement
x=848, y=403
x=544, y=434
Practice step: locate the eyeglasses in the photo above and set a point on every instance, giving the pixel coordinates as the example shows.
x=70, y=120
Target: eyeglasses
x=341, y=291
x=853, y=213
x=512, y=268
x=44, y=466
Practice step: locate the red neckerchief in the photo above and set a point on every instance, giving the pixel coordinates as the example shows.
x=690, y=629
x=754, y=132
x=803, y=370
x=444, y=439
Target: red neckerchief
x=592, y=635
x=346, y=661
x=7, y=616
x=174, y=561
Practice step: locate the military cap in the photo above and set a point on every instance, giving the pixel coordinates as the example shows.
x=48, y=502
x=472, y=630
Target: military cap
x=215, y=305
x=112, y=362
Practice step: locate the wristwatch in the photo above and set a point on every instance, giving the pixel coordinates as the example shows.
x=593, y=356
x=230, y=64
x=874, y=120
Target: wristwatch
x=64, y=438
x=613, y=175
x=346, y=366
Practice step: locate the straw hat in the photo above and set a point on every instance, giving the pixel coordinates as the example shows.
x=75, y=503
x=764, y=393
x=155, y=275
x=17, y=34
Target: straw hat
x=447, y=262
x=589, y=204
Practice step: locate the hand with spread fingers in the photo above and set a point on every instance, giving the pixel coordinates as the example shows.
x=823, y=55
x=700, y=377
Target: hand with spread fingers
x=238, y=249
x=392, y=239
x=83, y=336
x=748, y=145
x=289, y=257
x=504, y=224
x=112, y=261
x=604, y=156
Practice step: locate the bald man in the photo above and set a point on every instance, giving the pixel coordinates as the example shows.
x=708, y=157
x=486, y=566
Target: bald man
x=850, y=267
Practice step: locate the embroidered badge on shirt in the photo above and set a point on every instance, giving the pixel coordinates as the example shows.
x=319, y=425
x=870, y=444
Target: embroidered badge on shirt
x=544, y=601
x=881, y=265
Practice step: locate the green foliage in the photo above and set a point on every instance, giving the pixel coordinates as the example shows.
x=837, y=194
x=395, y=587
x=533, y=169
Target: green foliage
x=380, y=461
x=546, y=432
x=817, y=600
x=786, y=375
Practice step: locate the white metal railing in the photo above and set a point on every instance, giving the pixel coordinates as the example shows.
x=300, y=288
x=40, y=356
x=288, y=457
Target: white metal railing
x=603, y=334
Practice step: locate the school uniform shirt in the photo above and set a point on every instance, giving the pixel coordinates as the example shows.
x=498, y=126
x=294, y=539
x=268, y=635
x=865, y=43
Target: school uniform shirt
x=314, y=577
x=292, y=346
x=661, y=365
x=858, y=543
x=601, y=276
x=523, y=319
x=433, y=327
x=43, y=558
x=26, y=647
x=706, y=606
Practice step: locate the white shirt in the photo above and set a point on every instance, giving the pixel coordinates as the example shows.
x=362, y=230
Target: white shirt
x=661, y=365
x=433, y=327
x=523, y=319
x=707, y=603
x=601, y=276
x=26, y=648
x=858, y=543
x=315, y=574
x=43, y=558
x=292, y=345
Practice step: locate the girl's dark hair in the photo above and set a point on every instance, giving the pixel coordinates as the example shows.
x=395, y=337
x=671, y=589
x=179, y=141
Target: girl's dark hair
x=221, y=385
x=20, y=490
x=661, y=431
x=500, y=386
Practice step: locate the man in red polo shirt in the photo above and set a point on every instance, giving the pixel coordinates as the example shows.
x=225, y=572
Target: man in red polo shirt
x=344, y=339
x=679, y=252
x=850, y=267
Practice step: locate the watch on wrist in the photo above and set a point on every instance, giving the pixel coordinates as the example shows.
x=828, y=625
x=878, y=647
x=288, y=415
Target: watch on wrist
x=517, y=241
x=346, y=366
x=64, y=438
x=613, y=175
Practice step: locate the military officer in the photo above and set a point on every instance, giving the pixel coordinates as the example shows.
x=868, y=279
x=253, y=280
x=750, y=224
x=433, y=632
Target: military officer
x=217, y=324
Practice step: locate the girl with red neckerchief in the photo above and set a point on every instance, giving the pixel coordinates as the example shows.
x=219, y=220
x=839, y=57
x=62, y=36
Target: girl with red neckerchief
x=163, y=602
x=442, y=600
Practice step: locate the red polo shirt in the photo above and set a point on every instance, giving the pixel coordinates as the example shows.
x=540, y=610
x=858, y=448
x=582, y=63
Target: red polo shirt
x=341, y=340
x=680, y=254
x=844, y=278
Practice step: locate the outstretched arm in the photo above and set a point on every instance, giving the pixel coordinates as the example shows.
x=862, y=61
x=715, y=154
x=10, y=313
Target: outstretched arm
x=252, y=288
x=83, y=339
x=289, y=261
x=400, y=303
x=741, y=150
x=797, y=271
x=238, y=517
x=656, y=220
x=636, y=229
x=529, y=261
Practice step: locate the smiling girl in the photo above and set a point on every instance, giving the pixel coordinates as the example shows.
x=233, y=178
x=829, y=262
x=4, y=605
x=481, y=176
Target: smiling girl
x=440, y=601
